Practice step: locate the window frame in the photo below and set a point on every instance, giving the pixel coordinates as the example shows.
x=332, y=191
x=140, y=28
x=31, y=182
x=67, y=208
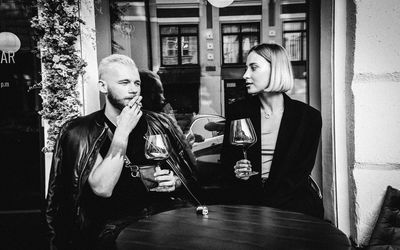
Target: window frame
x=240, y=37
x=179, y=36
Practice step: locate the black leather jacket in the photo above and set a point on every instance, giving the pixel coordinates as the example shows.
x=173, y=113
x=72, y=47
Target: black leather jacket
x=74, y=156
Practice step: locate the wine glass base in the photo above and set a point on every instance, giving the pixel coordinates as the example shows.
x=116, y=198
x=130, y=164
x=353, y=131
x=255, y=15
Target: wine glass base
x=248, y=174
x=253, y=173
x=160, y=189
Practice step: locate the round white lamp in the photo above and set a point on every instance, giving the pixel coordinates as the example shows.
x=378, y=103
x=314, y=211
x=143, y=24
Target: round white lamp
x=220, y=3
x=9, y=42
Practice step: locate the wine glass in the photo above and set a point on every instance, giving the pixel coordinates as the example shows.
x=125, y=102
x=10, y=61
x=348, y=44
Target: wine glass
x=242, y=134
x=156, y=148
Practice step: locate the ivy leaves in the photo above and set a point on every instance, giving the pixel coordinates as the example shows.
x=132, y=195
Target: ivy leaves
x=57, y=28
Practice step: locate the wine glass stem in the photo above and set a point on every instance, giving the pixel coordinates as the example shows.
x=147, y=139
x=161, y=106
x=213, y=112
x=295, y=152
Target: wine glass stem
x=245, y=153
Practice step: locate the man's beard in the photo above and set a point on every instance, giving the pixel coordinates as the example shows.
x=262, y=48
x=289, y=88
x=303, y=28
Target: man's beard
x=115, y=102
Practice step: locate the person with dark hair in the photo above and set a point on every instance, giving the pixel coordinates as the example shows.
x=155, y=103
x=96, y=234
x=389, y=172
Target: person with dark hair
x=153, y=93
x=97, y=186
x=288, y=133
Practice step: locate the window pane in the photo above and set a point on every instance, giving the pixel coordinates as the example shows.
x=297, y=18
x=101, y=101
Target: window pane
x=169, y=30
x=189, y=49
x=292, y=43
x=230, y=28
x=231, y=49
x=250, y=27
x=248, y=41
x=299, y=90
x=293, y=26
x=169, y=50
x=188, y=30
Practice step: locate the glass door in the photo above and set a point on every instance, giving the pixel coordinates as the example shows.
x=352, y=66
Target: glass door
x=22, y=175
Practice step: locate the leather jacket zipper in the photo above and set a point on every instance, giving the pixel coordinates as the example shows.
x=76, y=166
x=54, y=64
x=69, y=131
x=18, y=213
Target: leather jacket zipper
x=83, y=170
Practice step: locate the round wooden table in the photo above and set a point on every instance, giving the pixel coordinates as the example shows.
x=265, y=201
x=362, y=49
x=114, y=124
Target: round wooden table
x=231, y=227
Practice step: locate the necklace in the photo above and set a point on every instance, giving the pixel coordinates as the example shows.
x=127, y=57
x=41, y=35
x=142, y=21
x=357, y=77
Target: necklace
x=266, y=114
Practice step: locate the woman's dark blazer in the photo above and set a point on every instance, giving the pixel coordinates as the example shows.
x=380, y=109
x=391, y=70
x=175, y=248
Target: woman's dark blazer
x=288, y=186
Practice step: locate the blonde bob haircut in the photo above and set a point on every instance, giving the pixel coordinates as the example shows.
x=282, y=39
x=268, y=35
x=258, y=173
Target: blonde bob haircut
x=281, y=79
x=114, y=58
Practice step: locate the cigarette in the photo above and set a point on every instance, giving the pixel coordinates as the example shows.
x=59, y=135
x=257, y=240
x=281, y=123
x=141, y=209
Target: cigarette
x=137, y=103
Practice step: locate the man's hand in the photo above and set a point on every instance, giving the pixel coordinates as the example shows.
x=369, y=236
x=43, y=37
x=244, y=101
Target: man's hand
x=106, y=172
x=167, y=181
x=129, y=116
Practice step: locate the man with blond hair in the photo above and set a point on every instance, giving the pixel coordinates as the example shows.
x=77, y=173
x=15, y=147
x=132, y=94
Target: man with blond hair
x=95, y=187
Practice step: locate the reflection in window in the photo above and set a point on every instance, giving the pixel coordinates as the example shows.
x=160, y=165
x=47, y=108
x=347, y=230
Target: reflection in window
x=237, y=39
x=189, y=49
x=170, y=50
x=179, y=44
x=231, y=48
x=294, y=40
x=248, y=41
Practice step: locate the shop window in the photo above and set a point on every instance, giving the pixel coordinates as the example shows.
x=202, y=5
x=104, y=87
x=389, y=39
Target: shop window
x=237, y=39
x=22, y=181
x=179, y=45
x=294, y=40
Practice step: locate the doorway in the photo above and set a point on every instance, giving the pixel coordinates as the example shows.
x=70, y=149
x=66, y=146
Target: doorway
x=21, y=166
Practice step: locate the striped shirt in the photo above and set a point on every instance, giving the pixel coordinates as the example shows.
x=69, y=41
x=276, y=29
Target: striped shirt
x=269, y=135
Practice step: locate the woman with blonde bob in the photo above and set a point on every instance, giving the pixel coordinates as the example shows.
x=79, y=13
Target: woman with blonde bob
x=288, y=133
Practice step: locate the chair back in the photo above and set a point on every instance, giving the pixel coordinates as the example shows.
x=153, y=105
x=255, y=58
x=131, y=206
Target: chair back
x=315, y=186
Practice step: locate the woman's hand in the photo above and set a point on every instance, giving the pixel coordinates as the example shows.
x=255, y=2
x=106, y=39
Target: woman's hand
x=242, y=169
x=167, y=181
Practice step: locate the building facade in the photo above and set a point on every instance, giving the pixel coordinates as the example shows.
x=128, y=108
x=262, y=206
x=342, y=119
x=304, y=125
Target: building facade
x=200, y=50
x=346, y=60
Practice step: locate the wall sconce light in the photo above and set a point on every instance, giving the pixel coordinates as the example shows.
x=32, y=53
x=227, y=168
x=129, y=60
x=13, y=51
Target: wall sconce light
x=9, y=42
x=220, y=3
